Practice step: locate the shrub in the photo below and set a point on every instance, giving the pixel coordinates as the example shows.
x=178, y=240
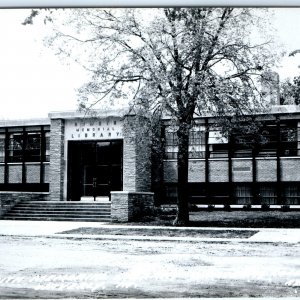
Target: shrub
x=285, y=208
x=193, y=207
x=227, y=207
x=265, y=207
x=144, y=213
x=167, y=211
x=210, y=207
x=247, y=207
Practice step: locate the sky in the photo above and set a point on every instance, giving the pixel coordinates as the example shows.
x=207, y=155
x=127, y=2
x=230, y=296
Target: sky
x=35, y=82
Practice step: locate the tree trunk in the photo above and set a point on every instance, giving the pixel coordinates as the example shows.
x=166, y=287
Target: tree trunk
x=182, y=217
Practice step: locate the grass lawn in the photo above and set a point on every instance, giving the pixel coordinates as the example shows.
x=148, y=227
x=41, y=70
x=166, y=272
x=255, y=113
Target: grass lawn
x=248, y=219
x=231, y=234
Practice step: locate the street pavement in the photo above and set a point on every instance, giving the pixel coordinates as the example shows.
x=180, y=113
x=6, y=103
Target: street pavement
x=39, y=260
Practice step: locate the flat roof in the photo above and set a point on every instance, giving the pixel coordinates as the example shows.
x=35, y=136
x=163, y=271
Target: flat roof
x=121, y=112
x=24, y=122
x=103, y=113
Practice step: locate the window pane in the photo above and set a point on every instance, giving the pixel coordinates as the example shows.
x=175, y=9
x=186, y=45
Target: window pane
x=2, y=147
x=15, y=147
x=288, y=139
x=47, y=148
x=33, y=147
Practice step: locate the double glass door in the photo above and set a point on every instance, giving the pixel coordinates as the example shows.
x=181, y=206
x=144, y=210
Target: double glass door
x=95, y=169
x=96, y=181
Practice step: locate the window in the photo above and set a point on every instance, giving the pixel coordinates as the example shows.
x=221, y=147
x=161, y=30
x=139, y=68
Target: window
x=288, y=139
x=24, y=147
x=171, y=139
x=24, y=153
x=47, y=148
x=196, y=143
x=2, y=148
x=243, y=145
x=15, y=147
x=243, y=193
x=267, y=193
x=268, y=141
x=291, y=193
x=218, y=145
x=33, y=147
x=171, y=146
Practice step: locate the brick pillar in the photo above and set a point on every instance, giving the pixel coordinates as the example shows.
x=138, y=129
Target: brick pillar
x=131, y=206
x=56, y=176
x=136, y=155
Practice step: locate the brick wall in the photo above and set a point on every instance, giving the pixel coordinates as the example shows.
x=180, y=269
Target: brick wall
x=15, y=173
x=290, y=169
x=196, y=171
x=136, y=155
x=2, y=174
x=33, y=173
x=130, y=206
x=56, y=172
x=242, y=170
x=218, y=170
x=266, y=170
x=46, y=167
x=9, y=199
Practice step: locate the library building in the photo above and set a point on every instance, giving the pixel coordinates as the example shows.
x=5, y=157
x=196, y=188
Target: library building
x=99, y=168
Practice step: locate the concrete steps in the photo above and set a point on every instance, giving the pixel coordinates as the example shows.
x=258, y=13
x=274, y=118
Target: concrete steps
x=60, y=211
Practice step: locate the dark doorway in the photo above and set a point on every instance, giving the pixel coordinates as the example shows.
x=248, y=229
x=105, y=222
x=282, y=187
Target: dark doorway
x=94, y=168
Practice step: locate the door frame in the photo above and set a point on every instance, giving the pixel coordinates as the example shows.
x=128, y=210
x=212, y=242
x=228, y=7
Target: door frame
x=75, y=172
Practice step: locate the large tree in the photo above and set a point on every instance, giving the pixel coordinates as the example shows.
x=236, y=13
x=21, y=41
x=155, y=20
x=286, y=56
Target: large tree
x=183, y=62
x=290, y=91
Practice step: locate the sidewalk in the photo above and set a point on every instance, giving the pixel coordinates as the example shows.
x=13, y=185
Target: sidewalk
x=54, y=229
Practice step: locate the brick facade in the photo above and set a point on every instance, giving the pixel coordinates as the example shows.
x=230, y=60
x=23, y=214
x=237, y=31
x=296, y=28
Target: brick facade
x=136, y=155
x=130, y=206
x=15, y=173
x=218, y=170
x=57, y=166
x=290, y=169
x=266, y=170
x=241, y=170
x=137, y=197
x=9, y=199
x=33, y=173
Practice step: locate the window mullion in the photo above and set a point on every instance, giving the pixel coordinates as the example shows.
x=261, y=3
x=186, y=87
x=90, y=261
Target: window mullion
x=24, y=145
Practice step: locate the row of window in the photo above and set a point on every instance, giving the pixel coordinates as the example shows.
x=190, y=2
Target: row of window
x=243, y=193
x=270, y=141
x=25, y=146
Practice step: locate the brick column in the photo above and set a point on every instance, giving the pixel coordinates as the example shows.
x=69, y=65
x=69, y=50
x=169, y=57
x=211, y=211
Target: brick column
x=131, y=206
x=136, y=200
x=56, y=176
x=136, y=155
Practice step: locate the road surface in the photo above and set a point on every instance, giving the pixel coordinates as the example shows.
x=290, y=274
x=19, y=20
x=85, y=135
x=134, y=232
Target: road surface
x=60, y=267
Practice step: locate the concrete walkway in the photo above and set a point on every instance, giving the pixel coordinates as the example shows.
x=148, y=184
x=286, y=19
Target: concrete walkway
x=55, y=229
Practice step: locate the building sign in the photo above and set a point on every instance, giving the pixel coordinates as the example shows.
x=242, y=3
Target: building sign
x=94, y=129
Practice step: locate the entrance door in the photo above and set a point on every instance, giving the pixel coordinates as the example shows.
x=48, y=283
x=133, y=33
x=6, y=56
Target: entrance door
x=96, y=180
x=94, y=169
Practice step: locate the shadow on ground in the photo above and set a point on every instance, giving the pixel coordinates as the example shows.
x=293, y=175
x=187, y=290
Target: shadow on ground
x=237, y=219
